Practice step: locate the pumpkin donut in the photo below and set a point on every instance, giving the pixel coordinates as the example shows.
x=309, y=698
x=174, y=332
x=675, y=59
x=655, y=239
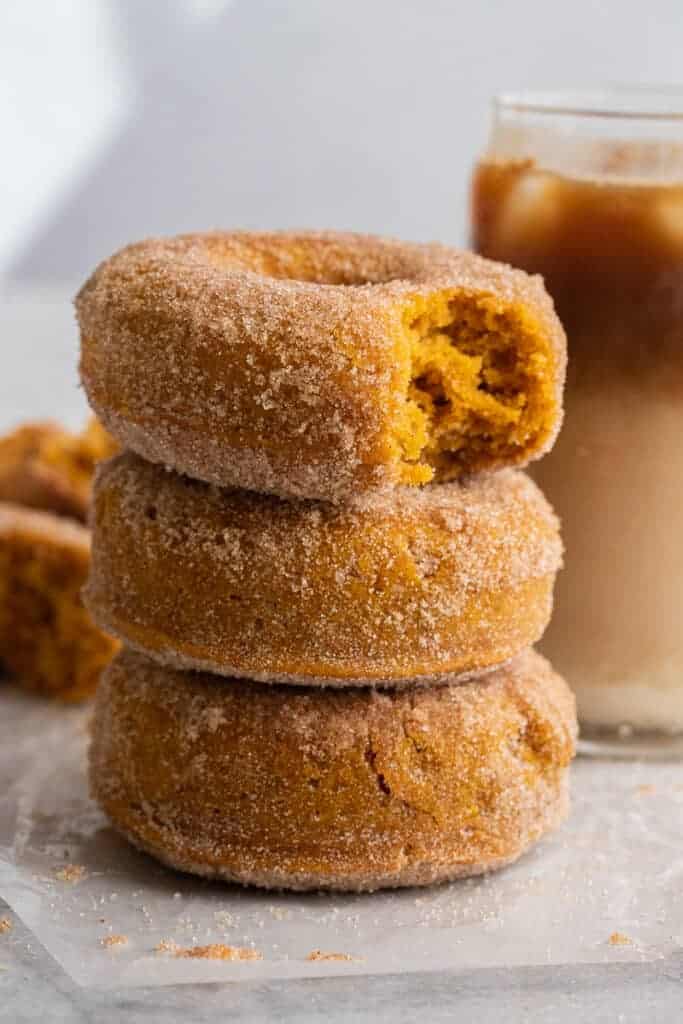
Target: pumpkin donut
x=405, y=585
x=43, y=466
x=320, y=365
x=47, y=639
x=301, y=789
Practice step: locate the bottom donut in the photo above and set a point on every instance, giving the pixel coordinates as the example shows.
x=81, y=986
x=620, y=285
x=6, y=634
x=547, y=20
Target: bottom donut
x=294, y=788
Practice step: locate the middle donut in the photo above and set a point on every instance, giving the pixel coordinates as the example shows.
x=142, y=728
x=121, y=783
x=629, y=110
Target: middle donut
x=400, y=586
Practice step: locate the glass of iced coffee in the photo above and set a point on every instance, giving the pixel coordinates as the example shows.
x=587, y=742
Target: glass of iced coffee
x=588, y=192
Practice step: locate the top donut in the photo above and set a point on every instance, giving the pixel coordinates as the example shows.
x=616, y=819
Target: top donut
x=320, y=365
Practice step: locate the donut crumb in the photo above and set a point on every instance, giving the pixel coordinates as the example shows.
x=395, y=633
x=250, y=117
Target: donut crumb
x=5, y=925
x=70, y=873
x=109, y=941
x=214, y=951
x=317, y=954
x=619, y=939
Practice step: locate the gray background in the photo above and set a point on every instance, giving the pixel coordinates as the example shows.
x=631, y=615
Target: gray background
x=123, y=118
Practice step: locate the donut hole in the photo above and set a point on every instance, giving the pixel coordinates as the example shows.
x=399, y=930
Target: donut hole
x=314, y=260
x=477, y=393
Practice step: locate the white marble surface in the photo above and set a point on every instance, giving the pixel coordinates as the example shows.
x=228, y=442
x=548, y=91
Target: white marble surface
x=615, y=867
x=33, y=988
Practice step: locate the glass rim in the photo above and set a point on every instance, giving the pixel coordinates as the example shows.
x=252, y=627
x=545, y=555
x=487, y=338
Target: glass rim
x=617, y=102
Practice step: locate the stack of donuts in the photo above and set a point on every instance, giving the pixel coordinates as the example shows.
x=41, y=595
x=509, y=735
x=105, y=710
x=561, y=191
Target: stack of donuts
x=324, y=562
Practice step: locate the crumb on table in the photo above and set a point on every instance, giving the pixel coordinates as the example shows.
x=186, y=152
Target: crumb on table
x=619, y=939
x=70, y=873
x=317, y=954
x=5, y=925
x=166, y=946
x=214, y=951
x=109, y=941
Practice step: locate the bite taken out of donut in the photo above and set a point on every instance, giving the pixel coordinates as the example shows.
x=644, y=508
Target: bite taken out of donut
x=320, y=365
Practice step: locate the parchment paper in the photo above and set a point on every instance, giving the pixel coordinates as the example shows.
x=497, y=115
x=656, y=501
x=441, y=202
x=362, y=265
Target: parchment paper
x=616, y=867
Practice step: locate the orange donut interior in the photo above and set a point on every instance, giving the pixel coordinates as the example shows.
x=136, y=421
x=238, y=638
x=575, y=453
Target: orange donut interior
x=476, y=390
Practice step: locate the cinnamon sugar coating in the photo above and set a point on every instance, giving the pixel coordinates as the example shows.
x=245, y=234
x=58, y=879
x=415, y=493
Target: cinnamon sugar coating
x=399, y=586
x=299, y=788
x=47, y=638
x=43, y=466
x=320, y=365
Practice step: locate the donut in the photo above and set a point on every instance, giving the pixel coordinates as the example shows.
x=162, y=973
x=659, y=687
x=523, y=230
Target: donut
x=320, y=365
x=406, y=584
x=47, y=639
x=43, y=466
x=290, y=787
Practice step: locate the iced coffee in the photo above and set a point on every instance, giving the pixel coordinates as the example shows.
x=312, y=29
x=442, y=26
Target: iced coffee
x=592, y=198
